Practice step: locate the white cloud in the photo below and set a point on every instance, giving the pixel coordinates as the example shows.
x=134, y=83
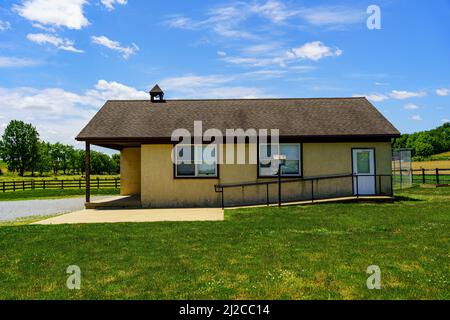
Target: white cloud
x=261, y=48
x=105, y=90
x=228, y=13
x=209, y=87
x=221, y=53
x=51, y=101
x=313, y=51
x=401, y=95
x=41, y=27
x=416, y=118
x=115, y=45
x=60, y=43
x=13, y=62
x=275, y=11
x=228, y=21
x=109, y=4
x=262, y=74
x=445, y=120
x=442, y=92
x=255, y=62
x=332, y=16
x=227, y=92
x=193, y=81
x=375, y=97
x=4, y=25
x=410, y=106
x=59, y=114
x=228, y=32
x=67, y=13
x=224, y=21
x=179, y=22
x=303, y=68
x=309, y=51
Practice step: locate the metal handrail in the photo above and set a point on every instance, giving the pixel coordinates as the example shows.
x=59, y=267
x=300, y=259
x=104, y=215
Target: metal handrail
x=256, y=183
x=219, y=188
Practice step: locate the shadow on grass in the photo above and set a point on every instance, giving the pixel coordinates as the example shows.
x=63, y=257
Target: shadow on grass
x=406, y=198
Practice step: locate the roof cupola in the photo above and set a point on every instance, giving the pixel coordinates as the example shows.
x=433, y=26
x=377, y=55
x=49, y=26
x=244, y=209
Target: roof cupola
x=156, y=94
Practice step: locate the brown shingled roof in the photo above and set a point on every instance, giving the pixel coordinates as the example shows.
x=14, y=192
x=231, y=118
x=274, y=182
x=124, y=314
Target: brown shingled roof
x=327, y=117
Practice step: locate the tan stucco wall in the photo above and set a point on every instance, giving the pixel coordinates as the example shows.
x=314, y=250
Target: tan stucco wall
x=130, y=171
x=321, y=159
x=160, y=189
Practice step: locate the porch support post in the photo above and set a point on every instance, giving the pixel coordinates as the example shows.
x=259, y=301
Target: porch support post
x=87, y=171
x=279, y=184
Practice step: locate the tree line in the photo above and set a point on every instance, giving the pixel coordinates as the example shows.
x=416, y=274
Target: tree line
x=22, y=150
x=426, y=143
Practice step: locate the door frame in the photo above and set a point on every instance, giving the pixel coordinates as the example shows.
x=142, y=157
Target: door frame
x=374, y=166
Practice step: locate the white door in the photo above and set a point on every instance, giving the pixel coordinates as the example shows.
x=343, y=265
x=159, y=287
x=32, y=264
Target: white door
x=364, y=171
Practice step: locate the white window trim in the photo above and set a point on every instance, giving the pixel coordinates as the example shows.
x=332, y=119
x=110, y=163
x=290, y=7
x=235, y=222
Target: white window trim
x=299, y=174
x=195, y=162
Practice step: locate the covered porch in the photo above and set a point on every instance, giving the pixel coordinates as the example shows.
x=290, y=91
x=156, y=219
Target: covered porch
x=130, y=175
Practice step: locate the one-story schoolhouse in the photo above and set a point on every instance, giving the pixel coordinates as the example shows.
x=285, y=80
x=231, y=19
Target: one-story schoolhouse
x=326, y=147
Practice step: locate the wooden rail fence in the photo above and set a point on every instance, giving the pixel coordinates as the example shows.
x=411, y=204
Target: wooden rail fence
x=35, y=184
x=437, y=176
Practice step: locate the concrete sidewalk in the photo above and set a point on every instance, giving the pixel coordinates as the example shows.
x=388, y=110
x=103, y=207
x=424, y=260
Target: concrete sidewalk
x=136, y=215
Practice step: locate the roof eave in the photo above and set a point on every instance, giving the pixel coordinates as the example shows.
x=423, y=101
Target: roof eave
x=299, y=137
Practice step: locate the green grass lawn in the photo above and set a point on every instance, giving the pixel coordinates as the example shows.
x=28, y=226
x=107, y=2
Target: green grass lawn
x=441, y=156
x=307, y=252
x=53, y=194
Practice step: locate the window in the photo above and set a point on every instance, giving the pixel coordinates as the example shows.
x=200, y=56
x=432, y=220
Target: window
x=196, y=160
x=363, y=162
x=269, y=167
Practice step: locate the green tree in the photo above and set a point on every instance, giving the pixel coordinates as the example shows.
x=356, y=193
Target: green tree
x=44, y=161
x=115, y=163
x=425, y=143
x=73, y=160
x=423, y=149
x=100, y=163
x=400, y=143
x=19, y=146
x=56, y=155
x=67, y=153
x=81, y=158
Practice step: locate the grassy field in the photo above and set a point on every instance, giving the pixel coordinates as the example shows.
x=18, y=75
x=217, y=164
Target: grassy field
x=53, y=194
x=440, y=164
x=309, y=252
x=9, y=176
x=441, y=156
x=440, y=161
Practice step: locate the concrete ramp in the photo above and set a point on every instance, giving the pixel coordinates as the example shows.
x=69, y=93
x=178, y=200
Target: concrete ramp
x=116, y=202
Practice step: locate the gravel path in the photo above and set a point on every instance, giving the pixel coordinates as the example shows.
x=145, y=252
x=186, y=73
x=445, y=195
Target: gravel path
x=11, y=210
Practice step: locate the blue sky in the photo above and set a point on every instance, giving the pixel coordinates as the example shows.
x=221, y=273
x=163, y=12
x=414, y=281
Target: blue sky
x=61, y=59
